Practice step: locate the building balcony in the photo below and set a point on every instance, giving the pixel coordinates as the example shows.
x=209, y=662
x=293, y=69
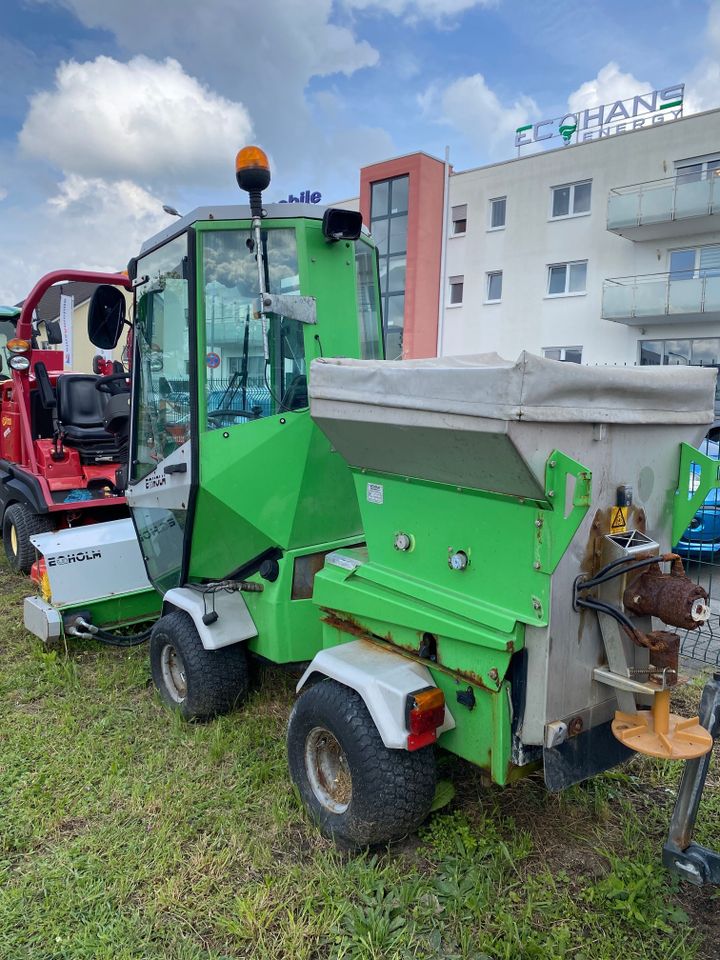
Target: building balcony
x=661, y=298
x=674, y=207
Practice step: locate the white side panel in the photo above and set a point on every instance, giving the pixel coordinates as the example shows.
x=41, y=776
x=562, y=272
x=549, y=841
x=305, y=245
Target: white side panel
x=91, y=562
x=42, y=619
x=383, y=679
x=233, y=625
x=167, y=486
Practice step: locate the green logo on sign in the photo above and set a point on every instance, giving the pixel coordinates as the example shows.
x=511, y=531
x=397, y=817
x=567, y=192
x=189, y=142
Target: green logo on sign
x=567, y=130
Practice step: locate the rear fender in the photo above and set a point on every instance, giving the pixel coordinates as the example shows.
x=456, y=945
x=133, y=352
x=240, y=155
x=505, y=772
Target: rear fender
x=233, y=624
x=382, y=678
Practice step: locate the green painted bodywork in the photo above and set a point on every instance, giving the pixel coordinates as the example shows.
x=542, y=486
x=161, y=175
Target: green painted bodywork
x=688, y=501
x=474, y=618
x=119, y=610
x=276, y=484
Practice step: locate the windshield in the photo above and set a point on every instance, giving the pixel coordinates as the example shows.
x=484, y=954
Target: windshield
x=163, y=345
x=254, y=368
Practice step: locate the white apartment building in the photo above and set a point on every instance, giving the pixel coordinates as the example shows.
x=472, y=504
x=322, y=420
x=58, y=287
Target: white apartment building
x=604, y=252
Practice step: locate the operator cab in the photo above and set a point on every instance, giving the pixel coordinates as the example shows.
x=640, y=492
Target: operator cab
x=231, y=305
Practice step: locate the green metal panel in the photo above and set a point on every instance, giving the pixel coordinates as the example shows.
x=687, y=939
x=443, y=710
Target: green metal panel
x=120, y=610
x=276, y=482
x=289, y=630
x=512, y=546
x=472, y=620
x=704, y=478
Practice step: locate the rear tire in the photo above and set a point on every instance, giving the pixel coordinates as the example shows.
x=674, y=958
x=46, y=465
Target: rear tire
x=199, y=683
x=359, y=792
x=19, y=524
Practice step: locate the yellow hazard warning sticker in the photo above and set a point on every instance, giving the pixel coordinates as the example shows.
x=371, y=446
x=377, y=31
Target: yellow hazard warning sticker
x=618, y=520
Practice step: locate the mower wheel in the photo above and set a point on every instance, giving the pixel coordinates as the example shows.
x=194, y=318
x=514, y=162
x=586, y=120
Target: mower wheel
x=358, y=791
x=199, y=683
x=19, y=524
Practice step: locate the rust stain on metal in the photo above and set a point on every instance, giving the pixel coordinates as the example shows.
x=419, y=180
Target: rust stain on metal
x=575, y=726
x=348, y=624
x=671, y=597
x=345, y=624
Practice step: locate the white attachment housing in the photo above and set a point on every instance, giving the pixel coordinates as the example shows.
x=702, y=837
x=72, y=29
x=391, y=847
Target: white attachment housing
x=233, y=625
x=91, y=562
x=382, y=678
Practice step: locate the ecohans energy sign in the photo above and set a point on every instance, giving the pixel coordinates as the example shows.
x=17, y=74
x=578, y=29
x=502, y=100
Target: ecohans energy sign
x=633, y=113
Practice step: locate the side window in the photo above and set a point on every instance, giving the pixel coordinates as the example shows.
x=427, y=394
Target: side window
x=368, y=319
x=253, y=368
x=161, y=329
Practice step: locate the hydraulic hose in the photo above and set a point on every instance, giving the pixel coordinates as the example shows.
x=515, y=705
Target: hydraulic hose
x=87, y=630
x=608, y=572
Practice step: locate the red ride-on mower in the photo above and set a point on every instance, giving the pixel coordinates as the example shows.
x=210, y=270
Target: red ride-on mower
x=63, y=436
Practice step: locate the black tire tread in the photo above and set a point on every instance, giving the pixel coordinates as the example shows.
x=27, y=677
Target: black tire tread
x=393, y=790
x=218, y=680
x=27, y=523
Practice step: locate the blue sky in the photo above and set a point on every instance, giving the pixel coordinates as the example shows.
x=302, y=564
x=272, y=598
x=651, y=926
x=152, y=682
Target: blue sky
x=108, y=110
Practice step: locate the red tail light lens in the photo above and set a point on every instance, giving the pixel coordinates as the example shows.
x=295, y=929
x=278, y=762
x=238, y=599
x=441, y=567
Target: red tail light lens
x=425, y=712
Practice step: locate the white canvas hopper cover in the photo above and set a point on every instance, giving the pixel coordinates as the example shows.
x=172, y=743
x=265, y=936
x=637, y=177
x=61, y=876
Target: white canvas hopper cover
x=530, y=389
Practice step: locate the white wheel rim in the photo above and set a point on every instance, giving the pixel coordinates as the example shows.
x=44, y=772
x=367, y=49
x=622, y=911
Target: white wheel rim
x=328, y=770
x=173, y=673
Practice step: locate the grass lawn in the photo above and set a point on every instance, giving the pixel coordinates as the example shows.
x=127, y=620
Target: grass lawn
x=125, y=833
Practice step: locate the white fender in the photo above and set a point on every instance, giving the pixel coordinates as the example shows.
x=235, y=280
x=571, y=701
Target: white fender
x=383, y=679
x=233, y=624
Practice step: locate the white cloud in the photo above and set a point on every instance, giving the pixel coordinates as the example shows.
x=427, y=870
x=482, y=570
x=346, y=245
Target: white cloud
x=472, y=108
x=288, y=39
x=144, y=120
x=263, y=55
x=437, y=10
x=702, y=91
x=3, y=193
x=89, y=224
x=609, y=85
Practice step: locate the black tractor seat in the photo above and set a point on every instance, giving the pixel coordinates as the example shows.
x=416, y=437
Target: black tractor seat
x=81, y=414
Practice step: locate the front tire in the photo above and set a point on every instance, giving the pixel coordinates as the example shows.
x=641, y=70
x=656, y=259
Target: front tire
x=200, y=683
x=359, y=792
x=19, y=524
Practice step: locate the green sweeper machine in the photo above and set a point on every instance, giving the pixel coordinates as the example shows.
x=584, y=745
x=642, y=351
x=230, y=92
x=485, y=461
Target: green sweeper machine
x=462, y=553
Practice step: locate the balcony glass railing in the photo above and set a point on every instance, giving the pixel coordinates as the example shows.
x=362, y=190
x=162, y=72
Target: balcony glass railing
x=661, y=294
x=660, y=201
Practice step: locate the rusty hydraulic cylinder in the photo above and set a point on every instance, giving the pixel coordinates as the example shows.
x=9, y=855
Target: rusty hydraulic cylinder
x=671, y=597
x=687, y=859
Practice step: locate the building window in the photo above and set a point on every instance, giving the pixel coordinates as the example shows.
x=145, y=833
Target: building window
x=497, y=213
x=571, y=200
x=459, y=220
x=700, y=170
x=692, y=263
x=456, y=291
x=567, y=279
x=566, y=354
x=702, y=352
x=494, y=286
x=388, y=225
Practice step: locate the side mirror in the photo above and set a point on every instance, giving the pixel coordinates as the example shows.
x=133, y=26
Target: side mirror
x=341, y=224
x=106, y=316
x=53, y=331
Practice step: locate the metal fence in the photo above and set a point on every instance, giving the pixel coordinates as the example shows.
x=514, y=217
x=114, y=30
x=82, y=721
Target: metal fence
x=700, y=550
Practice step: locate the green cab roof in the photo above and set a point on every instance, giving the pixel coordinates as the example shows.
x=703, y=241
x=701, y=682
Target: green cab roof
x=273, y=211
